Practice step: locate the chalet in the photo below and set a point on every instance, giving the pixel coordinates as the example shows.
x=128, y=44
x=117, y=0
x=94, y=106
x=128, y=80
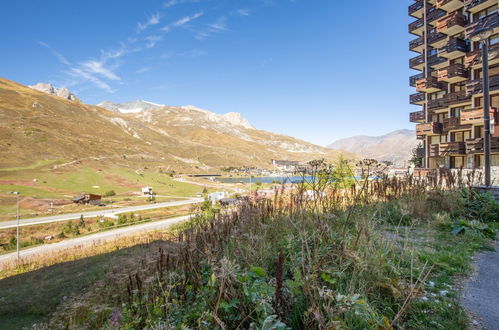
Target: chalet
x=91, y=199
x=217, y=196
x=147, y=190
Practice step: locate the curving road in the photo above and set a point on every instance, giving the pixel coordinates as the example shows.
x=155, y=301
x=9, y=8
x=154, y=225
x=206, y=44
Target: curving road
x=103, y=212
x=89, y=240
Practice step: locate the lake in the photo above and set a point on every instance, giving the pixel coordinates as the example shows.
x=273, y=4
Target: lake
x=266, y=179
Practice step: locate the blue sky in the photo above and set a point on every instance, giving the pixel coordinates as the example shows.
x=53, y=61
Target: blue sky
x=318, y=70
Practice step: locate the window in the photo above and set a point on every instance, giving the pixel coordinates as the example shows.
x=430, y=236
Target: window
x=486, y=12
x=455, y=112
x=460, y=86
x=459, y=60
x=435, y=139
x=460, y=136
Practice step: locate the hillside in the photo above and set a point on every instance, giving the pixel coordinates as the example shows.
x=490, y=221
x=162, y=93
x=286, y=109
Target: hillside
x=37, y=126
x=396, y=146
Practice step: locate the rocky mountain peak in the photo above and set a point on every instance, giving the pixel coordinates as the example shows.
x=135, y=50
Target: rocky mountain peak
x=129, y=107
x=60, y=92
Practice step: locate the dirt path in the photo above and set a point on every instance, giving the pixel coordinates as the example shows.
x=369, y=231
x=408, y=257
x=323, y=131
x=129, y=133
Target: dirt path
x=480, y=294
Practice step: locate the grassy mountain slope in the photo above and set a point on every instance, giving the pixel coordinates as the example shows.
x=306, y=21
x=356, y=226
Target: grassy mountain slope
x=37, y=126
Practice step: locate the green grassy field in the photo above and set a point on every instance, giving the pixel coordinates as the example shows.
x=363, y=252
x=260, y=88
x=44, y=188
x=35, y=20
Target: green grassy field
x=40, y=182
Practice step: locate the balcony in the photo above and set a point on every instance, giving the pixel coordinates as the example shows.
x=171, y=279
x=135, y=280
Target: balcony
x=417, y=98
x=488, y=22
x=453, y=73
x=475, y=146
x=437, y=104
x=475, y=116
x=452, y=148
x=452, y=23
x=449, y=5
x=435, y=39
x=474, y=87
x=417, y=117
x=416, y=77
x=437, y=62
x=417, y=27
x=453, y=124
x=433, y=14
x=417, y=63
x=457, y=98
x=416, y=9
x=434, y=150
x=474, y=6
x=417, y=45
x=474, y=59
x=429, y=85
x=428, y=129
x=456, y=47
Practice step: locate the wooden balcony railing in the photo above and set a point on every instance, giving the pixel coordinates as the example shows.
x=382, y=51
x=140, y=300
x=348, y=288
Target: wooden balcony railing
x=426, y=129
x=435, y=37
x=474, y=116
x=453, y=123
x=475, y=86
x=429, y=84
x=452, y=73
x=475, y=57
x=437, y=104
x=488, y=22
x=452, y=148
x=457, y=98
x=416, y=25
x=454, y=48
x=435, y=60
x=449, y=99
x=452, y=20
x=416, y=77
x=417, y=116
x=469, y=5
x=475, y=146
x=418, y=5
x=415, y=61
x=416, y=98
x=434, y=150
x=434, y=14
x=416, y=43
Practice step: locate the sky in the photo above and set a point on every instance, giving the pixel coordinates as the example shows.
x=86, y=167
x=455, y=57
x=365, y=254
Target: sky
x=318, y=70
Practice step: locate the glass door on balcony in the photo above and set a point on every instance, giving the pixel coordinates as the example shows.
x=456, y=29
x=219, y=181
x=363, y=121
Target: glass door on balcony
x=457, y=162
x=460, y=136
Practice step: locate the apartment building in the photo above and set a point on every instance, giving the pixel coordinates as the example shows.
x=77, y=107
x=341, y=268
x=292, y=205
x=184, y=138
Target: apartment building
x=449, y=95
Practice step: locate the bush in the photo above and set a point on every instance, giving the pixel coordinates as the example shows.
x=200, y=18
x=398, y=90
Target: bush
x=481, y=207
x=110, y=193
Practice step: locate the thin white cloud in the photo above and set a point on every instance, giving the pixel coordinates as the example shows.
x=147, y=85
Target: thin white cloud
x=219, y=26
x=152, y=40
x=243, y=12
x=58, y=55
x=80, y=74
x=171, y=3
x=153, y=20
x=99, y=68
x=182, y=21
x=143, y=70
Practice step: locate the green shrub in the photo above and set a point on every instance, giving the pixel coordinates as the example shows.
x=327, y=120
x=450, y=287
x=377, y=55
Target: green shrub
x=110, y=193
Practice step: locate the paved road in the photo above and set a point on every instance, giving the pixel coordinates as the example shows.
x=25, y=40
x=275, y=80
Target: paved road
x=102, y=212
x=97, y=238
x=481, y=293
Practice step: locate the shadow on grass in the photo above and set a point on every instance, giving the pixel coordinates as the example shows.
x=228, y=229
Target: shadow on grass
x=31, y=297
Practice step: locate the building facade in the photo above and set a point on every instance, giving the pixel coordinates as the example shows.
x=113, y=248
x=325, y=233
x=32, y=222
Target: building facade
x=449, y=95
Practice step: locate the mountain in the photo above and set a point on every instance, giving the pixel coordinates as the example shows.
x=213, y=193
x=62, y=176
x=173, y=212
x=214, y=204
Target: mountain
x=396, y=146
x=40, y=126
x=61, y=92
x=129, y=107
